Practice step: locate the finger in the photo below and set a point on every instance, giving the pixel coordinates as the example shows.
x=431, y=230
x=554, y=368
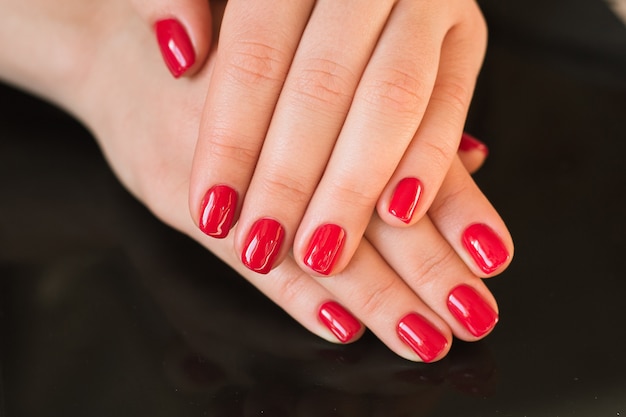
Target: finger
x=252, y=62
x=388, y=105
x=438, y=276
x=419, y=175
x=183, y=30
x=470, y=224
x=306, y=122
x=472, y=153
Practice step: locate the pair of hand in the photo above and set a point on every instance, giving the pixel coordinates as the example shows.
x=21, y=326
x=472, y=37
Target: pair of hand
x=414, y=287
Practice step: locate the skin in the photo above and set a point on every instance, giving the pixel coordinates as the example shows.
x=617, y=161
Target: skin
x=107, y=72
x=305, y=99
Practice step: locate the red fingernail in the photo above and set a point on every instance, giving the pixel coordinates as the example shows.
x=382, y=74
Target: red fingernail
x=471, y=310
x=485, y=246
x=324, y=248
x=340, y=322
x=263, y=245
x=175, y=45
x=218, y=211
x=405, y=198
x=421, y=336
x=470, y=143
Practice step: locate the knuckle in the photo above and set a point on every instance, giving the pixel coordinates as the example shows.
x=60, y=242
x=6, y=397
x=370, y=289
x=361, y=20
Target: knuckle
x=292, y=288
x=354, y=195
x=455, y=94
x=254, y=62
x=286, y=188
x=445, y=205
x=324, y=82
x=221, y=144
x=397, y=92
x=377, y=299
x=430, y=269
x=440, y=154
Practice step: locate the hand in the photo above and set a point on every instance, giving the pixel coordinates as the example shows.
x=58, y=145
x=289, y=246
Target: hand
x=317, y=112
x=408, y=286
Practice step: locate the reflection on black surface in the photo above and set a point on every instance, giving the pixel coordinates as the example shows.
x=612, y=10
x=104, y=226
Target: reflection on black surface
x=122, y=316
x=142, y=325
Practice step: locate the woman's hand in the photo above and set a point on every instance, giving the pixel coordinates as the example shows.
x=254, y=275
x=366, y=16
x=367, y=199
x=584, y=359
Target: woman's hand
x=408, y=285
x=319, y=111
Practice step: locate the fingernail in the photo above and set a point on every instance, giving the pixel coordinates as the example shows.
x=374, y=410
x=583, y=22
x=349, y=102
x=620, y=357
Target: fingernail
x=405, y=198
x=324, y=248
x=421, y=336
x=339, y=321
x=218, y=211
x=470, y=143
x=175, y=46
x=471, y=310
x=485, y=246
x=263, y=245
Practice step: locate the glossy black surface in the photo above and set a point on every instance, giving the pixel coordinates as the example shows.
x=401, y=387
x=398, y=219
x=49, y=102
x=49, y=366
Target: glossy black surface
x=105, y=311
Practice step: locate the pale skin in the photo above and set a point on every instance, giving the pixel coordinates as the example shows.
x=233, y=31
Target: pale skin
x=318, y=112
x=99, y=61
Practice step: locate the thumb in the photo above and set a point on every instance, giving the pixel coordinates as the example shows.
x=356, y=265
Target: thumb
x=182, y=30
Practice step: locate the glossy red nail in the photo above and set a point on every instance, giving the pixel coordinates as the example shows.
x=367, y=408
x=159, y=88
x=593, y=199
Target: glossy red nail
x=324, y=248
x=471, y=310
x=470, y=143
x=263, y=245
x=421, y=336
x=339, y=321
x=485, y=246
x=405, y=198
x=218, y=211
x=175, y=46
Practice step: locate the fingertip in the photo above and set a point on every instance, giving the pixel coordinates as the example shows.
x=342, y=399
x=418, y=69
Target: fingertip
x=472, y=152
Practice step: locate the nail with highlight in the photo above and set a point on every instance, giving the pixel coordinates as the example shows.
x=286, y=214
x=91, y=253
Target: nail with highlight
x=176, y=47
x=324, y=248
x=263, y=245
x=339, y=321
x=486, y=248
x=405, y=198
x=421, y=336
x=217, y=211
x=471, y=310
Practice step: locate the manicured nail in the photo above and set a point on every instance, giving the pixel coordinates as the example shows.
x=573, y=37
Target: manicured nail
x=421, y=336
x=405, y=198
x=324, y=248
x=470, y=143
x=471, y=310
x=485, y=246
x=175, y=45
x=339, y=321
x=263, y=245
x=218, y=211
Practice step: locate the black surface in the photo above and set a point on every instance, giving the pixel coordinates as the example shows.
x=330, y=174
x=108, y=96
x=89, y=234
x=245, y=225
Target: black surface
x=104, y=311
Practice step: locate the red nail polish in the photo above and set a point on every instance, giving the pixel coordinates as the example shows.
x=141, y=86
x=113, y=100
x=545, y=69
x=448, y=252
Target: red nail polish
x=218, y=211
x=175, y=45
x=324, y=248
x=421, y=336
x=470, y=143
x=405, y=198
x=471, y=310
x=263, y=245
x=485, y=246
x=340, y=322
